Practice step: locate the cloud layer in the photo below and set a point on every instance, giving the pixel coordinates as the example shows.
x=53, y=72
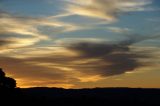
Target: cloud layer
x=84, y=61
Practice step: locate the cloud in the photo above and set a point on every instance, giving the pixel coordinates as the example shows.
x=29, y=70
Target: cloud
x=19, y=25
x=119, y=30
x=83, y=61
x=18, y=31
x=109, y=59
x=5, y=42
x=12, y=43
x=107, y=9
x=75, y=62
x=69, y=60
x=21, y=31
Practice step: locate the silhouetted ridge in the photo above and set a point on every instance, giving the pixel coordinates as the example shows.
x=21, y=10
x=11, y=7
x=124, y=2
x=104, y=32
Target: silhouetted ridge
x=43, y=96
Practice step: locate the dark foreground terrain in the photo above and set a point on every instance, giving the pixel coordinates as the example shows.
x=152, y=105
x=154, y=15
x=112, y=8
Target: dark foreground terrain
x=80, y=97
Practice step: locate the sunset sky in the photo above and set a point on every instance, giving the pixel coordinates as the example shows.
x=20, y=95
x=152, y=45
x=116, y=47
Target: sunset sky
x=81, y=43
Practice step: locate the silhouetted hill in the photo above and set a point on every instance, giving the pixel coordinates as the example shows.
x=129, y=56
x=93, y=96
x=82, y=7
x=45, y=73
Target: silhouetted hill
x=81, y=97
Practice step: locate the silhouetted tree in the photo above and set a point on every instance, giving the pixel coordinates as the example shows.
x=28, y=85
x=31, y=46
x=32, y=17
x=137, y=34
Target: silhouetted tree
x=2, y=74
x=6, y=82
x=9, y=82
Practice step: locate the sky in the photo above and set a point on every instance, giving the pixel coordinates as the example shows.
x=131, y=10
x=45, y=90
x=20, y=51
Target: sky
x=81, y=43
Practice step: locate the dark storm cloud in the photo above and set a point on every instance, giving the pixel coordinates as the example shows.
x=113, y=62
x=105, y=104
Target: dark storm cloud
x=112, y=58
x=96, y=49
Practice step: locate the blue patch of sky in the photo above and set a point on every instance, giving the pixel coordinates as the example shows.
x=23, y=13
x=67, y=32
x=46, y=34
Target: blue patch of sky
x=138, y=22
x=79, y=20
x=32, y=7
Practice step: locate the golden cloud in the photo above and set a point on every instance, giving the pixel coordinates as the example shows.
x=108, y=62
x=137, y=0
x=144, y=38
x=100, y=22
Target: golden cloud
x=106, y=9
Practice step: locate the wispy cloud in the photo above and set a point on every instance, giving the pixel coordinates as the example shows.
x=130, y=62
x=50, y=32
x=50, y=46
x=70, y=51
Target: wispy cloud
x=11, y=43
x=21, y=31
x=119, y=30
x=107, y=9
